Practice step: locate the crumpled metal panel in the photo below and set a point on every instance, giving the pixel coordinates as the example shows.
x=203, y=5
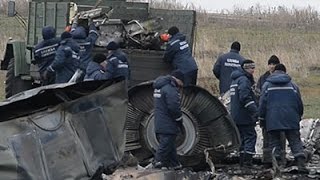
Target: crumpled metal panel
x=76, y=129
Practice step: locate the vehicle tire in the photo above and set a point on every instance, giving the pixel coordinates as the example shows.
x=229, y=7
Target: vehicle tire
x=15, y=84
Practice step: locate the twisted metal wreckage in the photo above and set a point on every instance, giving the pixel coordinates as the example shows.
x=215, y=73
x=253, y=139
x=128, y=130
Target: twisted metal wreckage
x=129, y=34
x=77, y=131
x=82, y=131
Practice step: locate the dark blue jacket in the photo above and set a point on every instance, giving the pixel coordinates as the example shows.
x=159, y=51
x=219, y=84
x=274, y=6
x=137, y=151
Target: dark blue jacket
x=45, y=51
x=167, y=104
x=118, y=65
x=224, y=66
x=85, y=42
x=95, y=72
x=261, y=81
x=243, y=105
x=280, y=103
x=179, y=54
x=66, y=61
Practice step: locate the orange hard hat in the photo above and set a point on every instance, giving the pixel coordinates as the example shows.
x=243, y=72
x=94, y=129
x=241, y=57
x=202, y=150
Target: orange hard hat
x=165, y=37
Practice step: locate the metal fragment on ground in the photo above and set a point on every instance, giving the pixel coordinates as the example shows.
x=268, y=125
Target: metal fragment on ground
x=151, y=174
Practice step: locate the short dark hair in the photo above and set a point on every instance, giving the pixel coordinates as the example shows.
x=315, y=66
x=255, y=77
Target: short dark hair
x=99, y=58
x=173, y=30
x=273, y=60
x=236, y=46
x=280, y=67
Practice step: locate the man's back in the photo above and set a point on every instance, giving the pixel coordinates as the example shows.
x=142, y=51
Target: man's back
x=224, y=66
x=118, y=65
x=280, y=103
x=66, y=60
x=86, y=43
x=167, y=105
x=45, y=52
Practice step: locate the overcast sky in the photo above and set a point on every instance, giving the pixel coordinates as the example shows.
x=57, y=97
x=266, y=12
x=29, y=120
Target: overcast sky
x=216, y=5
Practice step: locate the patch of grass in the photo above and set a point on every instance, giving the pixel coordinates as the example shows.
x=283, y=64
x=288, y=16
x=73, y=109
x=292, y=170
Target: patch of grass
x=310, y=90
x=9, y=28
x=297, y=49
x=311, y=101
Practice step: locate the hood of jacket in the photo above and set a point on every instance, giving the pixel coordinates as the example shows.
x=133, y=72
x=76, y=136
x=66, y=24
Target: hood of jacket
x=79, y=33
x=279, y=77
x=240, y=72
x=179, y=36
x=48, y=32
x=237, y=73
x=162, y=81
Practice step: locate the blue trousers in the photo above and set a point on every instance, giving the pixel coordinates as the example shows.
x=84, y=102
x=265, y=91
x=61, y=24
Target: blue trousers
x=167, y=152
x=248, y=137
x=293, y=137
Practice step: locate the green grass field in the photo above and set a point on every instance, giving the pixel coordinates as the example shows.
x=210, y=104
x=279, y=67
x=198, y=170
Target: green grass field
x=298, y=49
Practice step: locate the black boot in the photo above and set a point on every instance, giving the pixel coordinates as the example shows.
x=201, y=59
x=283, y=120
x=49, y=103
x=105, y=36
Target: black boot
x=241, y=159
x=159, y=165
x=247, y=160
x=301, y=163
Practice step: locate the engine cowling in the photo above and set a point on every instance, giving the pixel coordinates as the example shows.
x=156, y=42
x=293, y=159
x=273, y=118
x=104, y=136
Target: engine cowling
x=206, y=124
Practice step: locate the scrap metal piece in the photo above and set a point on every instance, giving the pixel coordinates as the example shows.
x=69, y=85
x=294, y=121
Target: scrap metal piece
x=91, y=14
x=111, y=30
x=209, y=161
x=75, y=135
x=151, y=174
x=133, y=34
x=144, y=34
x=310, y=132
x=275, y=165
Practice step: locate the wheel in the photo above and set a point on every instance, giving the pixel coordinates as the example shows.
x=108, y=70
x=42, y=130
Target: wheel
x=15, y=84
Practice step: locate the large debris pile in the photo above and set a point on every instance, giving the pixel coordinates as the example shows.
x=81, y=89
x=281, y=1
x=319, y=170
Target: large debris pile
x=135, y=34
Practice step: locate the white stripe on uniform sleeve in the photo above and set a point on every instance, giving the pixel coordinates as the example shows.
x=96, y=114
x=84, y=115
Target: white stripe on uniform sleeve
x=179, y=118
x=249, y=103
